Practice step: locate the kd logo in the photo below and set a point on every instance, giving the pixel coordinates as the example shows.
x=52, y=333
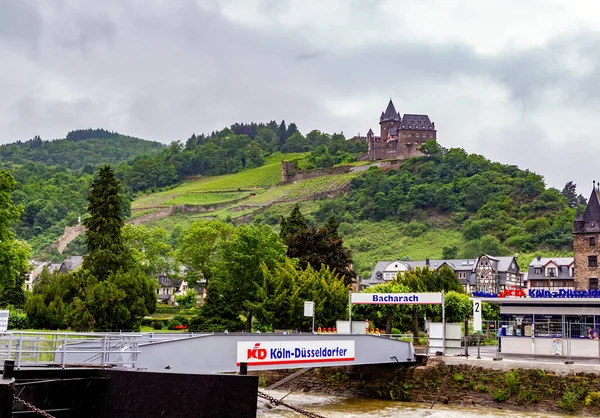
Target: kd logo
x=257, y=353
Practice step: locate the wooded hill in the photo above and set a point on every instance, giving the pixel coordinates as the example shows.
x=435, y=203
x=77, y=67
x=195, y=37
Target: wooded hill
x=451, y=205
x=81, y=150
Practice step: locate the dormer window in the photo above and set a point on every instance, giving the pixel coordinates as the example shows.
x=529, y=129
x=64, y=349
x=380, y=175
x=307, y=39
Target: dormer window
x=537, y=270
x=551, y=271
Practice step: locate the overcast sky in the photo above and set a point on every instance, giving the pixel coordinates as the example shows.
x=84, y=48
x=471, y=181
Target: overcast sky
x=516, y=81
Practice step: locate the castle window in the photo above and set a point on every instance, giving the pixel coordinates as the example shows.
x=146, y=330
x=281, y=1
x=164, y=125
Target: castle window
x=418, y=135
x=592, y=240
x=593, y=261
x=593, y=283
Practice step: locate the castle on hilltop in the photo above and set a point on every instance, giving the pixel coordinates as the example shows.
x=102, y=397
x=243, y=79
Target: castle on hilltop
x=400, y=136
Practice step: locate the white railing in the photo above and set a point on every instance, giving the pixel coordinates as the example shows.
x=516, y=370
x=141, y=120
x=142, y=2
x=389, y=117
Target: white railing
x=66, y=349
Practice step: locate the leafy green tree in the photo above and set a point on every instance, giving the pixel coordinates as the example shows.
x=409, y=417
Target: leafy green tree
x=197, y=248
x=188, y=300
x=239, y=269
x=106, y=251
x=280, y=298
x=318, y=246
x=450, y=252
x=149, y=248
x=431, y=148
x=13, y=254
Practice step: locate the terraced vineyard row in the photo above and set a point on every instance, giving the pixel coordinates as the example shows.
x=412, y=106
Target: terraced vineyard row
x=301, y=189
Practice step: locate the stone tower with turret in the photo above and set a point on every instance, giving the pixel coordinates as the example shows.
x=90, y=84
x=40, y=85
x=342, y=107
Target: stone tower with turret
x=586, y=237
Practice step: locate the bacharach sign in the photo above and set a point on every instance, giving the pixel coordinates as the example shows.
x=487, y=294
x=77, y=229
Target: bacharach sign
x=536, y=294
x=396, y=298
x=267, y=353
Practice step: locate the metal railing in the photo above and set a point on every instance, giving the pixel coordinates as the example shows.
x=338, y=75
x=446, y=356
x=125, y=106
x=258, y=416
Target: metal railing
x=63, y=349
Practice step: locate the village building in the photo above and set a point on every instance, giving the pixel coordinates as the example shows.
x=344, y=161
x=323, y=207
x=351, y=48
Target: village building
x=485, y=273
x=400, y=137
x=551, y=273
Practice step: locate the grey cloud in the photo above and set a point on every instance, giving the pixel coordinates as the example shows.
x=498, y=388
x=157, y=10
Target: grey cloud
x=20, y=24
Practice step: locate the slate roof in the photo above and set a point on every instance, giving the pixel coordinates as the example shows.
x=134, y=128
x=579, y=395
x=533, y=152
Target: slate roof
x=390, y=113
x=591, y=216
x=417, y=122
x=560, y=261
x=561, y=273
x=71, y=263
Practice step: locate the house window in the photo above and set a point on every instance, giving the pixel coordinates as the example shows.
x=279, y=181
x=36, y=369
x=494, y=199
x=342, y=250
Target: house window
x=593, y=261
x=462, y=275
x=551, y=271
x=572, y=271
x=594, y=283
x=418, y=135
x=592, y=240
x=537, y=270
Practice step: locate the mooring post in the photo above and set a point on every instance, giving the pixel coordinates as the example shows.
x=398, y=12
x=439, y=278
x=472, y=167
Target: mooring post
x=243, y=369
x=7, y=389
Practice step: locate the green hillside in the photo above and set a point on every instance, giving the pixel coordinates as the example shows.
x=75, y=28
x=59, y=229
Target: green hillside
x=80, y=149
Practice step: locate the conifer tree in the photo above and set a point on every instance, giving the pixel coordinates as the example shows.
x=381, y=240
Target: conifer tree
x=293, y=224
x=106, y=251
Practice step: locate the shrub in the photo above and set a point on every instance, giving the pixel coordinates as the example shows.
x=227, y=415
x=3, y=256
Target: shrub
x=592, y=399
x=512, y=382
x=17, y=319
x=500, y=395
x=569, y=401
x=158, y=324
x=459, y=377
x=527, y=396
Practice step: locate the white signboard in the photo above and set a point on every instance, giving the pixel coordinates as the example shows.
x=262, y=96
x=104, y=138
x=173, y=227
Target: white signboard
x=309, y=308
x=477, y=315
x=396, y=298
x=266, y=353
x=3, y=320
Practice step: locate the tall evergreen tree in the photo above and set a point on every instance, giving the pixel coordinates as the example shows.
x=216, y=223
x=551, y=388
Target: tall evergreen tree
x=293, y=224
x=106, y=252
x=282, y=133
x=570, y=193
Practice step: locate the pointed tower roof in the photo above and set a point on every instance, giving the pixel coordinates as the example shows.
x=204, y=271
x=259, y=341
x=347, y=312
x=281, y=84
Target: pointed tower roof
x=591, y=216
x=578, y=215
x=390, y=113
x=370, y=132
x=592, y=211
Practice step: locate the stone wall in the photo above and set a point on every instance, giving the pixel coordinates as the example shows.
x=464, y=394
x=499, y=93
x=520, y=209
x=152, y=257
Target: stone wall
x=581, y=250
x=71, y=232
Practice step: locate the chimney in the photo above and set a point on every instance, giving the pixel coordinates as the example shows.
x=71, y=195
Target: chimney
x=539, y=257
x=426, y=261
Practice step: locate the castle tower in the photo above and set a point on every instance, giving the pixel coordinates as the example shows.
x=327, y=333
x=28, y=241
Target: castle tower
x=586, y=236
x=388, y=120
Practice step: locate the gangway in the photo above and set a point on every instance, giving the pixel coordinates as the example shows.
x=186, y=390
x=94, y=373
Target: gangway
x=201, y=353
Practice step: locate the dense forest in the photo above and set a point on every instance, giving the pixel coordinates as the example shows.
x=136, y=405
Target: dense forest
x=81, y=150
x=500, y=209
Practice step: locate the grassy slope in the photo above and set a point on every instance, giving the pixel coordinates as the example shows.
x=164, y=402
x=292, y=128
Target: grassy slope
x=374, y=241
x=254, y=179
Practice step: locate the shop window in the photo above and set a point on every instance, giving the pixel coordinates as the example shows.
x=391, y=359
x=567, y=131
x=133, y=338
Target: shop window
x=518, y=325
x=592, y=240
x=548, y=326
x=593, y=261
x=580, y=327
x=593, y=283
